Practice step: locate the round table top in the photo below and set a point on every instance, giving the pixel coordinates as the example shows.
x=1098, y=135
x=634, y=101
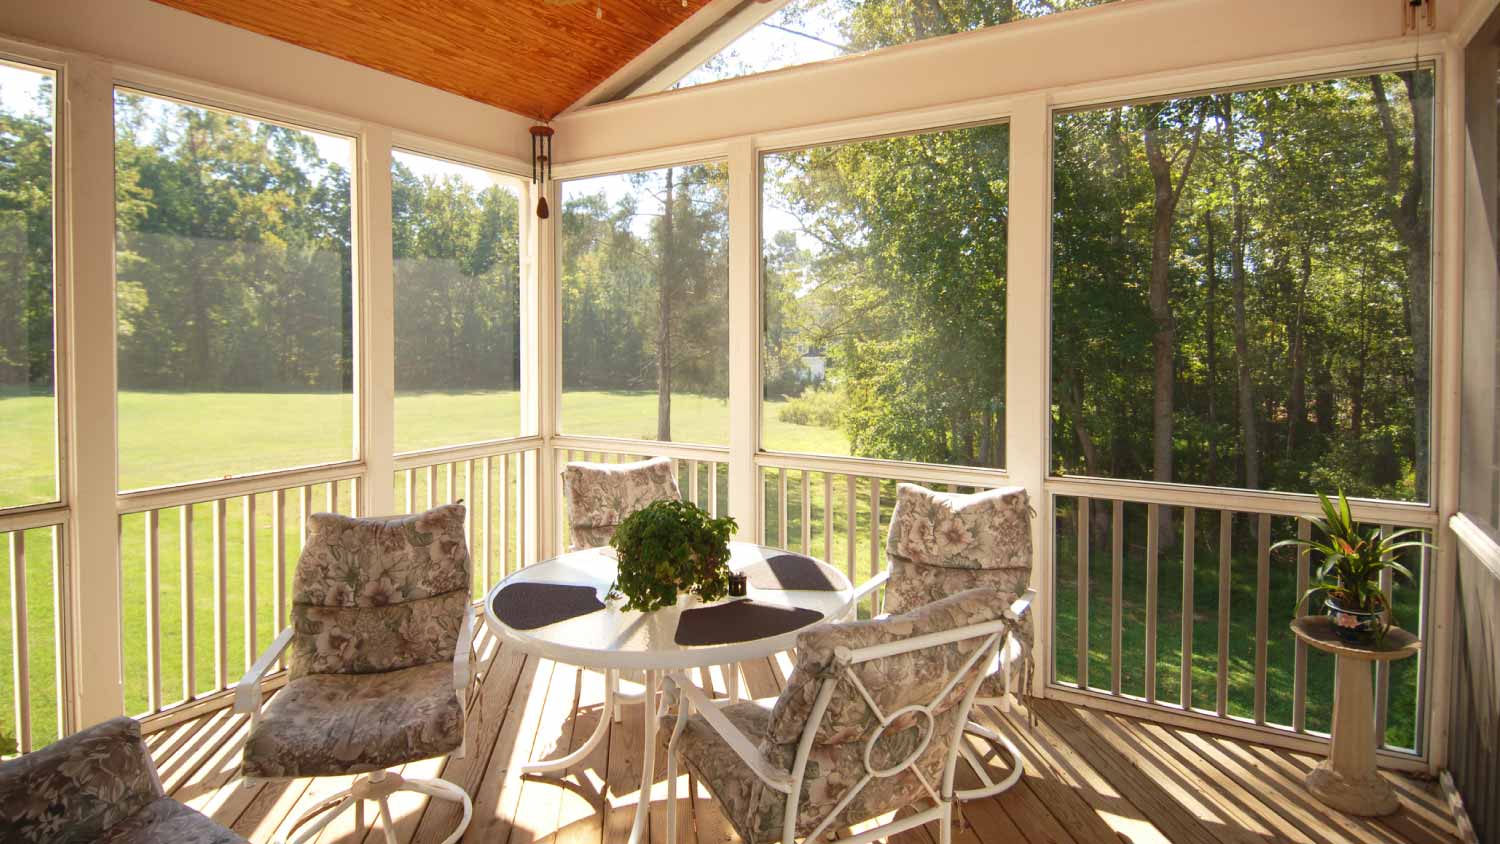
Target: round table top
x=615, y=638
x=1319, y=632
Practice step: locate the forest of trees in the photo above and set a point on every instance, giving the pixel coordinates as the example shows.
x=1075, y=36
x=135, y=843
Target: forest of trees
x=644, y=269
x=1241, y=281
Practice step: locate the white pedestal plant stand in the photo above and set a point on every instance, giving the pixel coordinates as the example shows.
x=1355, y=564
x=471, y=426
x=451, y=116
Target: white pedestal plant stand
x=1348, y=780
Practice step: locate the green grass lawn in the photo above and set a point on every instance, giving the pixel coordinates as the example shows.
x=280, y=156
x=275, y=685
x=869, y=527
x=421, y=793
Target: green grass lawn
x=169, y=438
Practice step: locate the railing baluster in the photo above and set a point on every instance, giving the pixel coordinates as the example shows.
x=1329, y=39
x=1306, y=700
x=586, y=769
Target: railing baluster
x=249, y=585
x=713, y=489
x=431, y=486
x=305, y=499
x=411, y=490
x=874, y=535
x=452, y=484
x=1189, y=551
x=62, y=653
x=781, y=508
x=485, y=524
x=522, y=548
x=20, y=646
x=1153, y=511
x=333, y=496
x=1262, y=610
x=470, y=501
x=828, y=516
x=1226, y=538
x=189, y=603
x=1299, y=668
x=505, y=520
x=278, y=565
x=153, y=611
x=221, y=600
x=1383, y=667
x=1083, y=593
x=806, y=514
x=693, y=481
x=850, y=499
x=1117, y=594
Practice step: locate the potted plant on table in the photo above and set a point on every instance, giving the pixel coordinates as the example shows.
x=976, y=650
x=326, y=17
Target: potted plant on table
x=669, y=547
x=1350, y=571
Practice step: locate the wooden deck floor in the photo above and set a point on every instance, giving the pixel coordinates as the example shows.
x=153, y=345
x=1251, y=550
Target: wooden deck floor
x=1091, y=778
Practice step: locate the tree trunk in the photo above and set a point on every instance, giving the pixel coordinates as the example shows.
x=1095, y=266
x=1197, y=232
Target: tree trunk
x=1071, y=399
x=1413, y=226
x=666, y=289
x=1164, y=207
x=1297, y=359
x=1245, y=389
x=1210, y=325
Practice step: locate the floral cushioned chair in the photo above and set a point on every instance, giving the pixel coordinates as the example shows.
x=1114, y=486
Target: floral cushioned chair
x=601, y=495
x=940, y=544
x=378, y=672
x=97, y=786
x=871, y=721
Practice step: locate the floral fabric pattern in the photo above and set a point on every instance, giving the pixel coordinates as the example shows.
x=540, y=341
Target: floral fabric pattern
x=986, y=530
x=362, y=640
x=353, y=562
x=893, y=682
x=89, y=787
x=836, y=761
x=168, y=822
x=330, y=724
x=601, y=495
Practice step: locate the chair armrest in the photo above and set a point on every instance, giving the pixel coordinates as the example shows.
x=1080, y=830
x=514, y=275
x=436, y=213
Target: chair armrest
x=462, y=652
x=247, y=690
x=1022, y=604
x=737, y=741
x=864, y=590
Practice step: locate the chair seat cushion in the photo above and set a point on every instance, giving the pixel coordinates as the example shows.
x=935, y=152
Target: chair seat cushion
x=758, y=811
x=168, y=822
x=330, y=724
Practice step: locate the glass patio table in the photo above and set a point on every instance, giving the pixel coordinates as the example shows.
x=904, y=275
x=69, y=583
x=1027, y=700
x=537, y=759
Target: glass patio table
x=561, y=611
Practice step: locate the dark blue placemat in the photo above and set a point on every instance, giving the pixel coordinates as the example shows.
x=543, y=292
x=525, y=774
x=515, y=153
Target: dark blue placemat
x=527, y=606
x=740, y=621
x=791, y=571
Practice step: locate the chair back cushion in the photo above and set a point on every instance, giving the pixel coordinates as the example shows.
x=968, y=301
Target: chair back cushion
x=76, y=789
x=914, y=678
x=379, y=594
x=942, y=543
x=601, y=495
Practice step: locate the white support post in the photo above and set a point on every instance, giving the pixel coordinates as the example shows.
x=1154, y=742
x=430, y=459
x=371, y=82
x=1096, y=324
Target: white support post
x=1027, y=330
x=1450, y=176
x=376, y=282
x=89, y=298
x=744, y=338
x=541, y=379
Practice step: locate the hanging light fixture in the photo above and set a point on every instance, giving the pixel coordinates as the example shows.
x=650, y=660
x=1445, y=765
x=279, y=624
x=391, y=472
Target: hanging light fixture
x=541, y=165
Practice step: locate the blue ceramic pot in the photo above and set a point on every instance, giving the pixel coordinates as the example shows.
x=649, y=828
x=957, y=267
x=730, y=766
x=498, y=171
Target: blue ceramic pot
x=1356, y=628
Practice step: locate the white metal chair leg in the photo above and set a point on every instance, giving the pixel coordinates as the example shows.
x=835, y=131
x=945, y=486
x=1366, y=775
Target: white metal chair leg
x=990, y=788
x=378, y=788
x=600, y=729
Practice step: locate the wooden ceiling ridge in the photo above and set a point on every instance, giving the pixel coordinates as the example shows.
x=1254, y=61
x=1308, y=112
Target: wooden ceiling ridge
x=526, y=56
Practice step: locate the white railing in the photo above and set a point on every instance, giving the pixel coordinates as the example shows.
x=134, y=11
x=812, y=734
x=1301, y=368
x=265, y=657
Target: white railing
x=1172, y=598
x=702, y=471
x=839, y=509
x=204, y=577
x=492, y=480
x=36, y=646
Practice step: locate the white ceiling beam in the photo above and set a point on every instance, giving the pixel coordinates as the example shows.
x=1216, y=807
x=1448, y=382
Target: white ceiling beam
x=691, y=43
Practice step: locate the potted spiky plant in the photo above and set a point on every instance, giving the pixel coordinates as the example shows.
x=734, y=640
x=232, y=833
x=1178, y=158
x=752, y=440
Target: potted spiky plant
x=1349, y=575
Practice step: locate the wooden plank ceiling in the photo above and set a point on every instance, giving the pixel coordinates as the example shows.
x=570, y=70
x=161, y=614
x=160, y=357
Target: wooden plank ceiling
x=526, y=56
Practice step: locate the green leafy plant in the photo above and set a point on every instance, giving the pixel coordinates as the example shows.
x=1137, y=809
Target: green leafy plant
x=1352, y=562
x=670, y=546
